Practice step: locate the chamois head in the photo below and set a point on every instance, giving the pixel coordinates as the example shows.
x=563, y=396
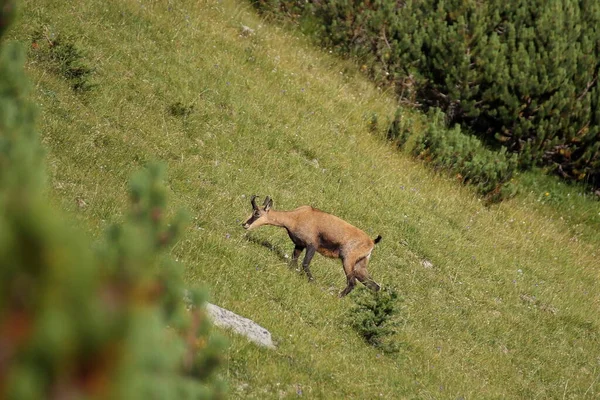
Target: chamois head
x=258, y=216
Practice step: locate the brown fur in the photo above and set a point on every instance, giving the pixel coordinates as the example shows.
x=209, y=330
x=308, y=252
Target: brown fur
x=318, y=231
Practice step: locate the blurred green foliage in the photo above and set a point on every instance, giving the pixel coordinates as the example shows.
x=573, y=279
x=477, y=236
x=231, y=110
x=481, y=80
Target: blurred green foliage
x=79, y=320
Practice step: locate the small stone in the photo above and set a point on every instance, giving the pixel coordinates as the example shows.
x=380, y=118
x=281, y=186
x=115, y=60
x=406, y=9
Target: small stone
x=246, y=31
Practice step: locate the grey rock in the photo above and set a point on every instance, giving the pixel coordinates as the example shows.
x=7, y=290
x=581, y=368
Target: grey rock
x=226, y=319
x=229, y=320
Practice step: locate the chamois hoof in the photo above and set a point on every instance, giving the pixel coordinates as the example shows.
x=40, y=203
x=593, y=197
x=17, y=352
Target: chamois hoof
x=373, y=286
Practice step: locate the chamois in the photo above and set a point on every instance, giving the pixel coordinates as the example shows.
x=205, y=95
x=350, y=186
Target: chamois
x=317, y=231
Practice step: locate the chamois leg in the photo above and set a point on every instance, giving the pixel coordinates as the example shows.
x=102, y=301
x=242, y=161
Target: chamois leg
x=350, y=277
x=310, y=252
x=349, y=286
x=296, y=255
x=361, y=273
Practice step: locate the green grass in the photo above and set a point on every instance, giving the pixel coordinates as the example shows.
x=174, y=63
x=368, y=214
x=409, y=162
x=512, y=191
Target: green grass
x=509, y=308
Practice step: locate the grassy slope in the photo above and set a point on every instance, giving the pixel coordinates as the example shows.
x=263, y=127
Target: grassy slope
x=509, y=308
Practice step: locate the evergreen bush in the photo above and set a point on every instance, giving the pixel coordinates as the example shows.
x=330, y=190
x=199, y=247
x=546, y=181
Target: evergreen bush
x=464, y=155
x=519, y=74
x=78, y=321
x=399, y=129
x=373, y=316
x=63, y=57
x=180, y=110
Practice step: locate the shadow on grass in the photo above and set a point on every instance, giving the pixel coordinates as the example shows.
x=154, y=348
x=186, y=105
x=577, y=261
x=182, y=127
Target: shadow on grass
x=270, y=246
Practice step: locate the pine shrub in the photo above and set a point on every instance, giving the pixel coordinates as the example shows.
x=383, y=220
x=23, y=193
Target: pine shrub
x=519, y=74
x=466, y=157
x=373, y=316
x=180, y=110
x=60, y=55
x=399, y=130
x=85, y=321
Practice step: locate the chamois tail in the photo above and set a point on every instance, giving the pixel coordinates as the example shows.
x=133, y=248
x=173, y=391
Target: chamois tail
x=377, y=239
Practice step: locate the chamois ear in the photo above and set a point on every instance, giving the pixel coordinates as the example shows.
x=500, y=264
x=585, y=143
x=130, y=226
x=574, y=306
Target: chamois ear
x=253, y=202
x=268, y=203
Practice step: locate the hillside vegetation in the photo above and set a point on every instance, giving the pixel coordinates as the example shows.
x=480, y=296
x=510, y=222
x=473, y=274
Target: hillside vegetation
x=521, y=75
x=493, y=302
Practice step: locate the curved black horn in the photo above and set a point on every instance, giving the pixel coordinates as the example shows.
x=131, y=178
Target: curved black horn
x=253, y=201
x=267, y=200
